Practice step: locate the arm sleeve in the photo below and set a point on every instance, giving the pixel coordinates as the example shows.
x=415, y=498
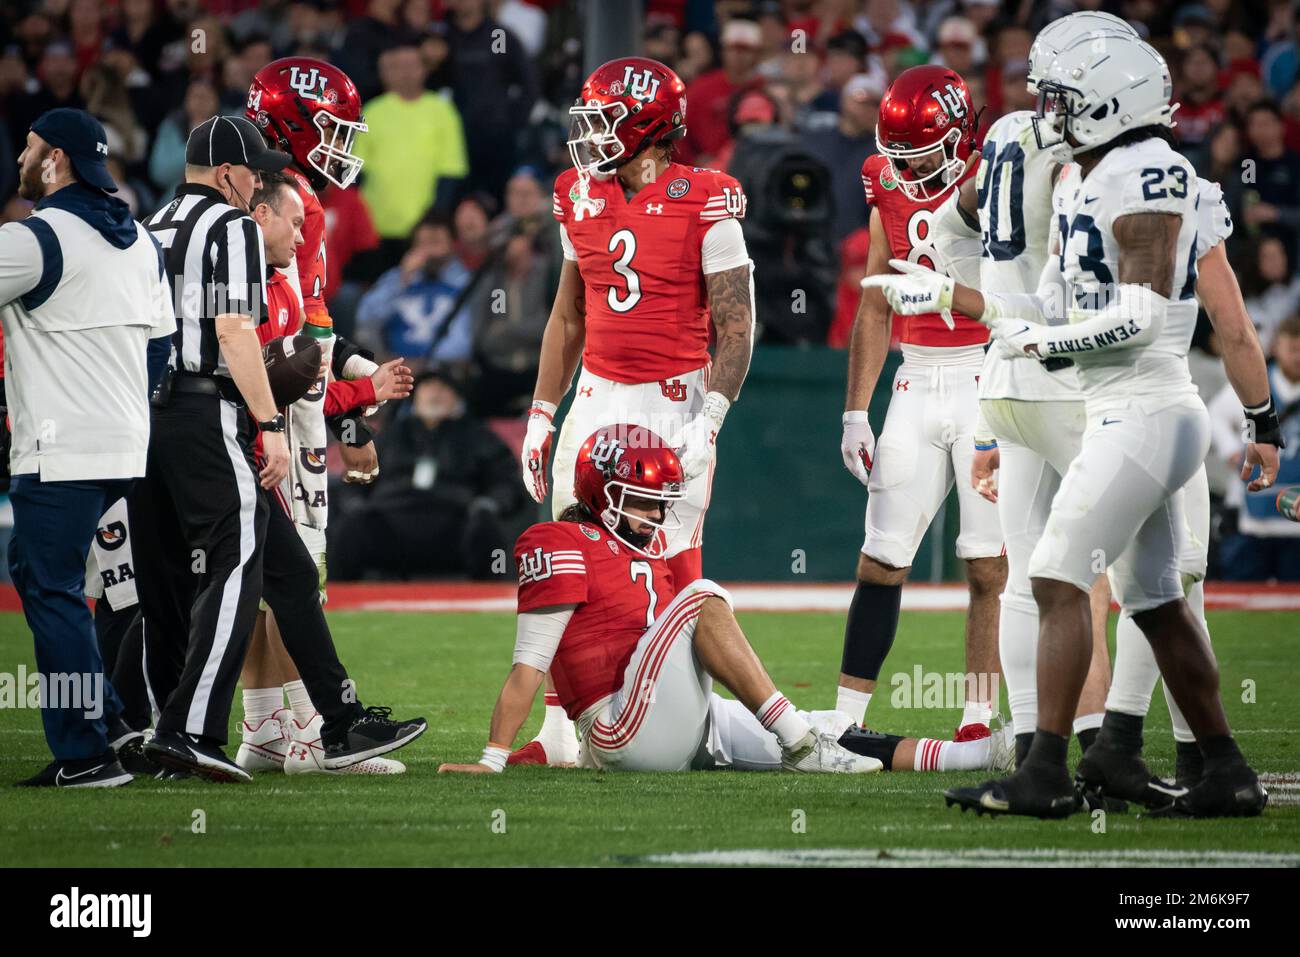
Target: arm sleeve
x=566, y=244
x=21, y=261
x=1046, y=305
x=957, y=244
x=343, y=396
x=1134, y=318
x=538, y=634
x=723, y=247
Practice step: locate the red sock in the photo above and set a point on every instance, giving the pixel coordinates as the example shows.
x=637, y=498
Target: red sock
x=686, y=567
x=551, y=699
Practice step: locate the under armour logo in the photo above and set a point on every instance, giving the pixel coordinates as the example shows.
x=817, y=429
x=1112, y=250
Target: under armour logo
x=309, y=84
x=585, y=392
x=641, y=86
x=673, y=389
x=901, y=385
x=654, y=207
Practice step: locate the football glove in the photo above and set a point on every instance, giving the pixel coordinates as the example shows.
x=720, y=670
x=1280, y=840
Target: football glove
x=915, y=289
x=537, y=448
x=858, y=445
x=700, y=436
x=1015, y=338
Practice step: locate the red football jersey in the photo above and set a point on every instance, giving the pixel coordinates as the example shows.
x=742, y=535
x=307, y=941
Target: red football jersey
x=907, y=227
x=647, y=307
x=311, y=254
x=618, y=594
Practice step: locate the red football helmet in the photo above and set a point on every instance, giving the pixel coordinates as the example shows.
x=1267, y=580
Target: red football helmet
x=926, y=111
x=622, y=461
x=310, y=110
x=626, y=105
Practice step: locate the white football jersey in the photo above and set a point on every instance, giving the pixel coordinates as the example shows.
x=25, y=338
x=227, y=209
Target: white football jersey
x=1146, y=177
x=1018, y=230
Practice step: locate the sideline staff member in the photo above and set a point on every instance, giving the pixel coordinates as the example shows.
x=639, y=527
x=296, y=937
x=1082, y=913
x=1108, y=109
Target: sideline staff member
x=81, y=295
x=198, y=518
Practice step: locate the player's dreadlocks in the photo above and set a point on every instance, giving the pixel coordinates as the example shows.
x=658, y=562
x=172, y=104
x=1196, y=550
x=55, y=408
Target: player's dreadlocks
x=1128, y=138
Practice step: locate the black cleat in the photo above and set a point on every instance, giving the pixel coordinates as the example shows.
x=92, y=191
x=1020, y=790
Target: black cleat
x=369, y=735
x=1106, y=773
x=1227, y=792
x=192, y=752
x=132, y=757
x=101, y=772
x=1024, y=793
x=1189, y=764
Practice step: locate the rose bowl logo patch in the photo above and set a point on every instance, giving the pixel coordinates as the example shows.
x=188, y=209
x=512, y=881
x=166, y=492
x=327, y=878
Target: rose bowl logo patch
x=590, y=532
x=887, y=178
x=678, y=188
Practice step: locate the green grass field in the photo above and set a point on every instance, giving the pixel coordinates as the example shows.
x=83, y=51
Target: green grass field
x=449, y=667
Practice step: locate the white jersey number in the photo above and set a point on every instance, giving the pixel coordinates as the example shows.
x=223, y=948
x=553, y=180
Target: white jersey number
x=920, y=239
x=644, y=570
x=623, y=266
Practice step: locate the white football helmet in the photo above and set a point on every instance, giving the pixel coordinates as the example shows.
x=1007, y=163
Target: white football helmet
x=1102, y=86
x=1065, y=32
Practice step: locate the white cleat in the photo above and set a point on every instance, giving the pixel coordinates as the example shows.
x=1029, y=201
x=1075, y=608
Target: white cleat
x=306, y=755
x=264, y=747
x=820, y=753
x=1002, y=746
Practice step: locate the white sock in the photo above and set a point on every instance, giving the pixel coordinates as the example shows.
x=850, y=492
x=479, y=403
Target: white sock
x=779, y=716
x=1195, y=601
x=299, y=701
x=1018, y=648
x=556, y=723
x=1135, y=673
x=1086, y=722
x=853, y=703
x=261, y=703
x=935, y=755
x=976, y=712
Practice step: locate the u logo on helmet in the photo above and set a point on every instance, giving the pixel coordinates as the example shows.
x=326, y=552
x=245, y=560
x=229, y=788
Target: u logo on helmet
x=950, y=99
x=640, y=86
x=309, y=84
x=606, y=453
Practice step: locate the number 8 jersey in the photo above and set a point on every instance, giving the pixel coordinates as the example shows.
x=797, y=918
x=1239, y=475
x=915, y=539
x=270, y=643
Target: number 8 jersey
x=643, y=262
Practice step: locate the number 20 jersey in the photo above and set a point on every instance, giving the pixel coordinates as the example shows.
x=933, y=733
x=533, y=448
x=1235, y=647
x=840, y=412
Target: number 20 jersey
x=618, y=594
x=640, y=259
x=909, y=228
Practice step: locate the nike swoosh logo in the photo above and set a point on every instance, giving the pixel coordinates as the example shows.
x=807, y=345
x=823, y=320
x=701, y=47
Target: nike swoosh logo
x=1110, y=421
x=62, y=776
x=1090, y=199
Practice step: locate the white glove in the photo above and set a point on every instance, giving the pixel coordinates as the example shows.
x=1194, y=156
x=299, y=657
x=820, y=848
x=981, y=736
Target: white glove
x=537, y=448
x=914, y=290
x=700, y=436
x=1014, y=337
x=858, y=445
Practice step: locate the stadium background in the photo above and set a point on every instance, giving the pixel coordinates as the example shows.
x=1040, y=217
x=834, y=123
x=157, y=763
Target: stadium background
x=467, y=104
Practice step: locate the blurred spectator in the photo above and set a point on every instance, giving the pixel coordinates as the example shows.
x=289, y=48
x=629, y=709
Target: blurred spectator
x=848, y=291
x=959, y=46
x=472, y=218
x=106, y=99
x=1243, y=89
x=86, y=30
x=1201, y=110
x=167, y=161
x=524, y=20
x=57, y=87
x=1015, y=88
x=1264, y=545
x=845, y=147
x=1272, y=288
x=1272, y=197
x=710, y=95
x=846, y=57
x=447, y=484
x=492, y=80
x=352, y=258
x=411, y=310
x=366, y=39
x=697, y=57
x=144, y=30
x=802, y=85
x=414, y=151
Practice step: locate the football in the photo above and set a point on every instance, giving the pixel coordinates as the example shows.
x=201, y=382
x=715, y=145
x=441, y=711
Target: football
x=292, y=365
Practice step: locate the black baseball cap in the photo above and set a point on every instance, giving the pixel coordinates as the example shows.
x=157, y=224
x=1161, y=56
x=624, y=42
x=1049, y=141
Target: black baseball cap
x=234, y=140
x=82, y=137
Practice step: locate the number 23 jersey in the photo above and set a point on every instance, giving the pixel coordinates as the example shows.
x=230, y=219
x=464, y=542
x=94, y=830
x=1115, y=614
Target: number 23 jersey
x=618, y=593
x=642, y=264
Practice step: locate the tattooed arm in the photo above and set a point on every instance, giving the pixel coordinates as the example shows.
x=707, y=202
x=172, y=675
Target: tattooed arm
x=1147, y=244
x=732, y=309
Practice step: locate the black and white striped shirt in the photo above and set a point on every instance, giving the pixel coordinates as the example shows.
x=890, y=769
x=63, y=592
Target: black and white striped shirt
x=216, y=264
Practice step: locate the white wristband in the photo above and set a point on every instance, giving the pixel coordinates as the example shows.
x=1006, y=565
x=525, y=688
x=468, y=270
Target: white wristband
x=716, y=406
x=545, y=408
x=494, y=758
x=359, y=367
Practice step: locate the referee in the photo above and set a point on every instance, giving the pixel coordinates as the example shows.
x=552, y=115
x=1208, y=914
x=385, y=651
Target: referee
x=198, y=517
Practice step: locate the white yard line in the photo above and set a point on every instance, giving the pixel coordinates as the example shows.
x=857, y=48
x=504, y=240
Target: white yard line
x=972, y=857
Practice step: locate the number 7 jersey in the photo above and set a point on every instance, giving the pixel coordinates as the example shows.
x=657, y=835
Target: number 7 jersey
x=642, y=265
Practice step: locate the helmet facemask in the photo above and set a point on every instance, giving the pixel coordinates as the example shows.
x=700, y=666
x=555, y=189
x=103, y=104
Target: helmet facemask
x=333, y=158
x=617, y=494
x=594, y=145
x=1051, y=120
x=921, y=188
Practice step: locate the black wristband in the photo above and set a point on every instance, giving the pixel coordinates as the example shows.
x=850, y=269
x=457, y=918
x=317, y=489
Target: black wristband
x=274, y=424
x=1262, y=426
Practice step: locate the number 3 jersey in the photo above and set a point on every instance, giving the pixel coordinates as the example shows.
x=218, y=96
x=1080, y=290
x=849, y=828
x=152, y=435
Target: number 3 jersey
x=643, y=262
x=618, y=593
x=909, y=229
x=1146, y=177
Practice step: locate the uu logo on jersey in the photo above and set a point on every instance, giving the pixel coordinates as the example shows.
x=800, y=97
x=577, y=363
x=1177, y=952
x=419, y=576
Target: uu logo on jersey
x=534, y=566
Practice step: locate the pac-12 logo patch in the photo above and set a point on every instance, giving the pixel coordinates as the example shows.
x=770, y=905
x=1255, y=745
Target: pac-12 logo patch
x=678, y=188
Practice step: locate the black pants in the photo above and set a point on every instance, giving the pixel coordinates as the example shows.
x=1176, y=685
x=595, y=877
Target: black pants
x=198, y=519
x=121, y=643
x=290, y=586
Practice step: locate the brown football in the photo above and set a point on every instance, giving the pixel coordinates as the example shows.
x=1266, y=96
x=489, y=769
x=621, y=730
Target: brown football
x=292, y=365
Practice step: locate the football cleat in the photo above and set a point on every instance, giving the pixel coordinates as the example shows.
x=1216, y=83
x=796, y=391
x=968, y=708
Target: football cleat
x=1002, y=746
x=1106, y=773
x=1228, y=792
x=191, y=752
x=1021, y=793
x=263, y=747
x=820, y=753
x=534, y=752
x=558, y=749
x=971, y=732
x=304, y=754
x=369, y=735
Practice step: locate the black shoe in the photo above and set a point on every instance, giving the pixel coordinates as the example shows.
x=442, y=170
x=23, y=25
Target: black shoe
x=1025, y=792
x=191, y=752
x=1106, y=772
x=369, y=735
x=1189, y=764
x=101, y=772
x=132, y=757
x=1228, y=792
x=120, y=734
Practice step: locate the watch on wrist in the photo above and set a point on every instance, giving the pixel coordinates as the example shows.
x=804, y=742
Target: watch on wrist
x=275, y=424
